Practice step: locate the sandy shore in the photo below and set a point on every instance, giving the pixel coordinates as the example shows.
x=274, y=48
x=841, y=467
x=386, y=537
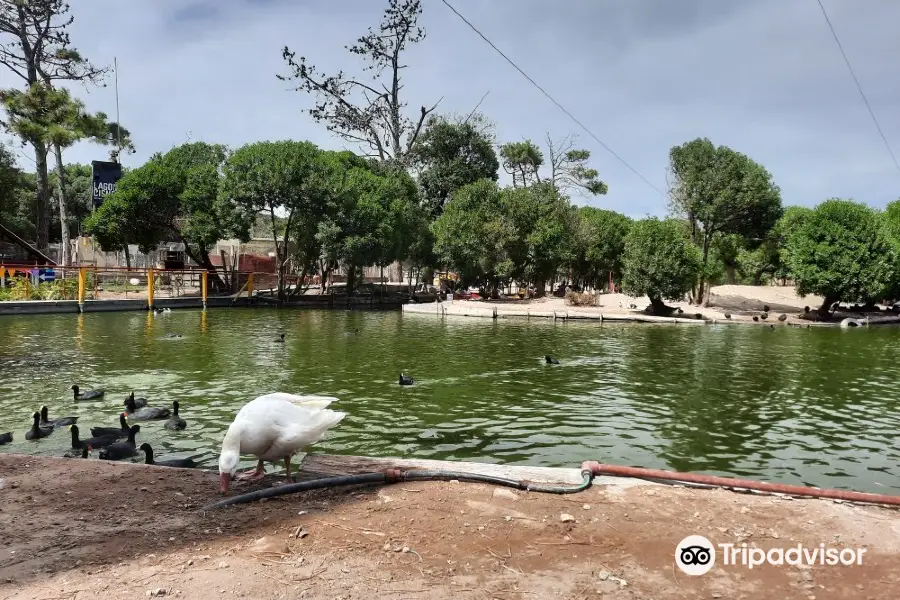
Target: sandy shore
x=80, y=529
x=728, y=303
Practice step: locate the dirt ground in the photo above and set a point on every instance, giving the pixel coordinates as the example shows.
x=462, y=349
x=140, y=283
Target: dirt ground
x=74, y=529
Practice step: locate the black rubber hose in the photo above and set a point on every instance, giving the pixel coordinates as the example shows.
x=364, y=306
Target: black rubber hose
x=303, y=486
x=328, y=482
x=588, y=478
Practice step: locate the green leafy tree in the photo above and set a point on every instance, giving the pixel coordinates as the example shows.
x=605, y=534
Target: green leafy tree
x=660, y=261
x=452, y=155
x=369, y=113
x=599, y=245
x=35, y=47
x=15, y=203
x=172, y=196
x=523, y=161
x=46, y=116
x=471, y=236
x=542, y=228
x=842, y=251
x=287, y=179
x=720, y=191
x=365, y=224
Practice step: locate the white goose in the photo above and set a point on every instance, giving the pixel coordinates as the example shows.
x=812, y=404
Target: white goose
x=274, y=427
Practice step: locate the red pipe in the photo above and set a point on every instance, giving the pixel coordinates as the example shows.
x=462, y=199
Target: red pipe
x=598, y=468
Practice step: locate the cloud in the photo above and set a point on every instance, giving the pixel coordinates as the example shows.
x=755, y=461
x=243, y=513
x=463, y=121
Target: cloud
x=764, y=78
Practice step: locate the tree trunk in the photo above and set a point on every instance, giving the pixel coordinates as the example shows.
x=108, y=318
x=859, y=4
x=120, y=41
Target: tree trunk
x=64, y=259
x=657, y=305
x=825, y=310
x=351, y=281
x=127, y=258
x=698, y=299
x=42, y=199
x=731, y=273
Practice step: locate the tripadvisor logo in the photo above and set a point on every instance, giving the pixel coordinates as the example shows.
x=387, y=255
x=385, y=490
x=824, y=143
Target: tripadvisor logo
x=696, y=555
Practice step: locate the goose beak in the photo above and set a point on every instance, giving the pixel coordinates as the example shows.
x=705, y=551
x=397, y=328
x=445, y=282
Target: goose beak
x=224, y=479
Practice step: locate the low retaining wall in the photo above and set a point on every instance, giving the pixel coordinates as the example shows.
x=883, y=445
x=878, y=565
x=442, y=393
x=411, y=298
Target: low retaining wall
x=451, y=310
x=40, y=307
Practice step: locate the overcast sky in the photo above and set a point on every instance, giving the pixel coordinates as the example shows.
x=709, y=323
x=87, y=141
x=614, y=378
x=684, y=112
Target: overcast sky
x=761, y=76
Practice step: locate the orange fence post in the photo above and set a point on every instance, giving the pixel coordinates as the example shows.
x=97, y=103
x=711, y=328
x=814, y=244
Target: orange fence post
x=82, y=284
x=204, y=278
x=150, y=285
x=250, y=285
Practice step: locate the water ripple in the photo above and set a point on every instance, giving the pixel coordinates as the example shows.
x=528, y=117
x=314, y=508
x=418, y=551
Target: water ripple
x=807, y=406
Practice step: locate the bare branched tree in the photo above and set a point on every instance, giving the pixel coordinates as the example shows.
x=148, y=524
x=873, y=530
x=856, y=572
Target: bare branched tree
x=568, y=168
x=369, y=114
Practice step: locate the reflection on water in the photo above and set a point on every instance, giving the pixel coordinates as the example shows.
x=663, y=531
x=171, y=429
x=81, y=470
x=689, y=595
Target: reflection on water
x=808, y=406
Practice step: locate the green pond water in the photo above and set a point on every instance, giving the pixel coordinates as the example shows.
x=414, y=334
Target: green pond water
x=809, y=406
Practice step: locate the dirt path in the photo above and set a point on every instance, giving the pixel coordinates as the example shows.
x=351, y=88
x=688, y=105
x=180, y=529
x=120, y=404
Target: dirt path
x=79, y=529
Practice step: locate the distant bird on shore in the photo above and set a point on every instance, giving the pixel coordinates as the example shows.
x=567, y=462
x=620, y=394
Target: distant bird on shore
x=550, y=360
x=765, y=308
x=755, y=319
x=727, y=315
x=37, y=432
x=806, y=310
x=183, y=463
x=138, y=402
x=93, y=442
x=405, y=379
x=60, y=422
x=175, y=421
x=120, y=431
x=87, y=395
x=782, y=317
x=121, y=450
x=280, y=339
x=764, y=316
x=680, y=311
x=6, y=438
x=147, y=413
x=274, y=427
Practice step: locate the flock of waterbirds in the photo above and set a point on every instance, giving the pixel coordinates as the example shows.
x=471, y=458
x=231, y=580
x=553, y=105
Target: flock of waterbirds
x=111, y=443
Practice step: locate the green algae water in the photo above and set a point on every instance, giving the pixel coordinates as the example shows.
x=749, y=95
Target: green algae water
x=805, y=406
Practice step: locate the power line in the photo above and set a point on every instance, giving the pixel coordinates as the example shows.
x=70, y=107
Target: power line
x=551, y=98
x=858, y=86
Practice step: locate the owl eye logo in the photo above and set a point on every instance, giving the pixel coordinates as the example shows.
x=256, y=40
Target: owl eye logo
x=695, y=555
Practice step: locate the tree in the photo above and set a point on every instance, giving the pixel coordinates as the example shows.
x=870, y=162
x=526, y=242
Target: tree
x=541, y=235
x=522, y=160
x=35, y=46
x=46, y=116
x=599, y=245
x=842, y=252
x=568, y=168
x=366, y=218
x=171, y=196
x=660, y=261
x=450, y=156
x=471, y=235
x=369, y=115
x=720, y=191
x=286, y=178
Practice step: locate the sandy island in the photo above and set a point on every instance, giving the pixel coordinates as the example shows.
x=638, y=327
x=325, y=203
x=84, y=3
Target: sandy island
x=87, y=529
x=728, y=304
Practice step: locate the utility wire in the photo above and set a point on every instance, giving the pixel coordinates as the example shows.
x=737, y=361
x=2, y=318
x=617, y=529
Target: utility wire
x=551, y=98
x=858, y=86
